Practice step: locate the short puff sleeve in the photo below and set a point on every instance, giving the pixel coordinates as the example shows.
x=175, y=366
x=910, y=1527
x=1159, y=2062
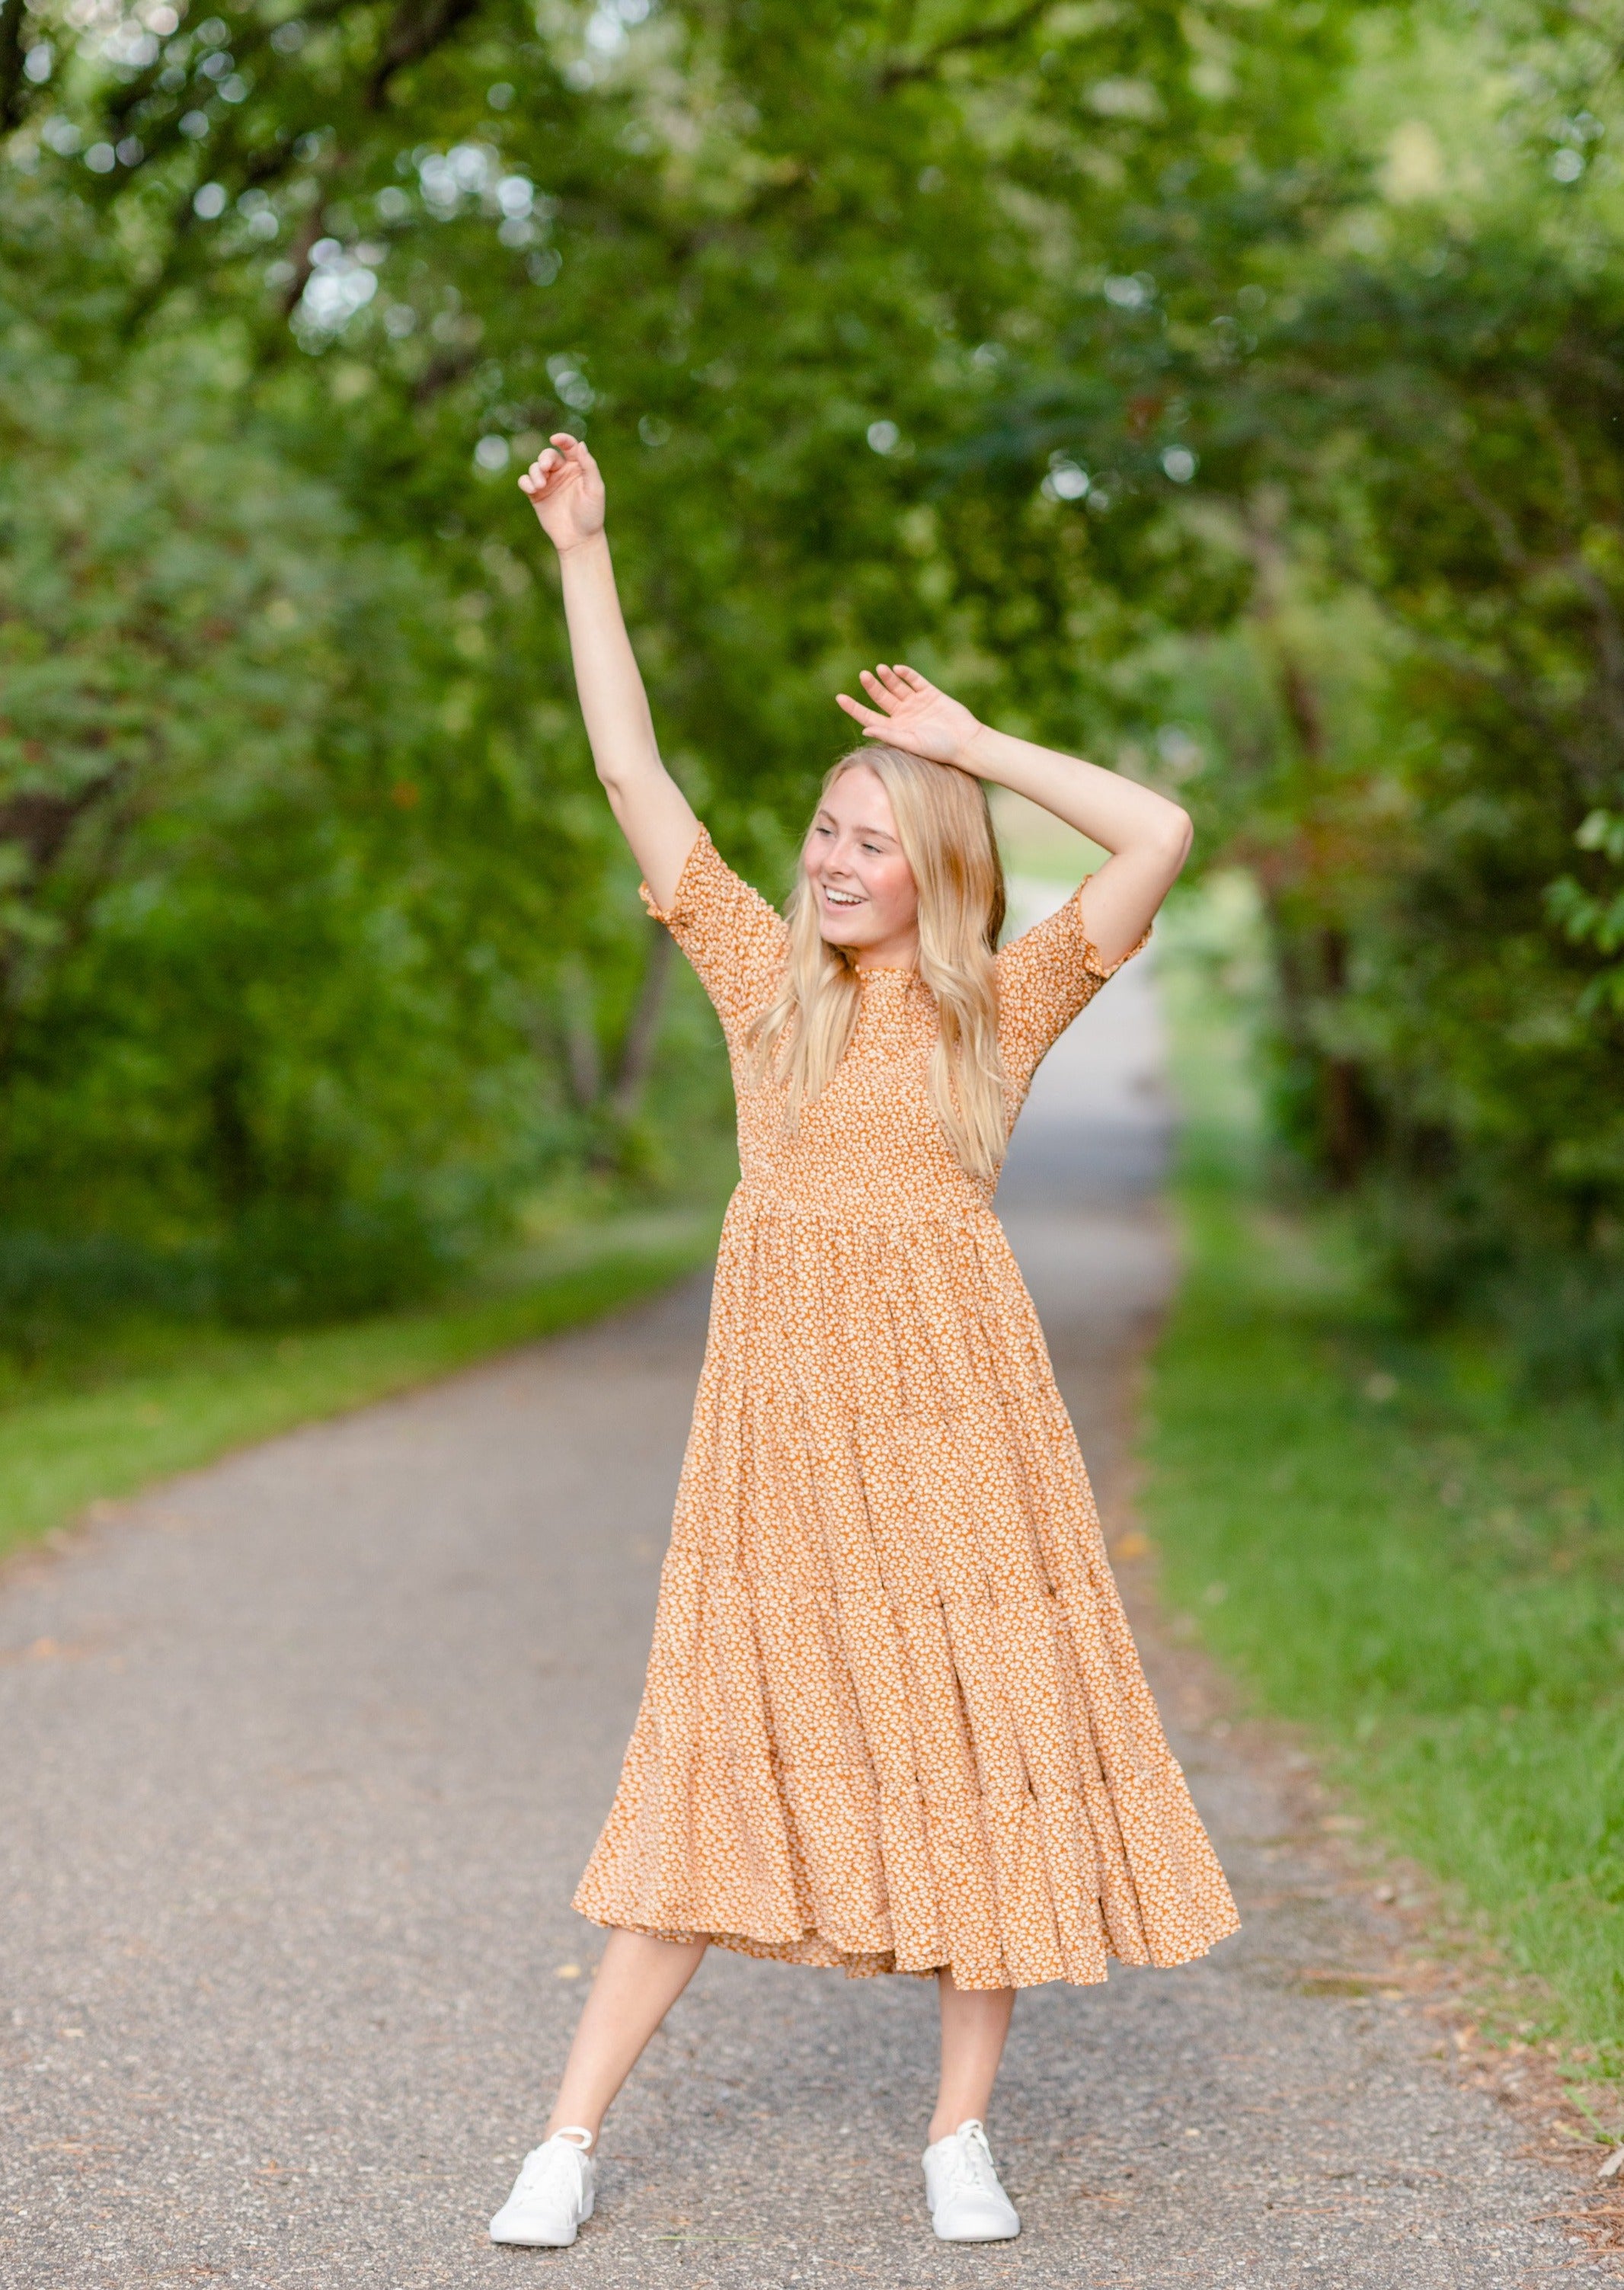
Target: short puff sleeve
x=1045, y=977
x=735, y=941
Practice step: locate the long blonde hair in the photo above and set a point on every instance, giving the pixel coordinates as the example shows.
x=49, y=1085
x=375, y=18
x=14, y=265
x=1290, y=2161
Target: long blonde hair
x=946, y=831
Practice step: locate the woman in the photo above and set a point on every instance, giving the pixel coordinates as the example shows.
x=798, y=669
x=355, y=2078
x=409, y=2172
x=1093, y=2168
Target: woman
x=894, y=1720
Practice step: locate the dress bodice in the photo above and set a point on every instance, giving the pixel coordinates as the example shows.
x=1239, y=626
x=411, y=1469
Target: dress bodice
x=871, y=1145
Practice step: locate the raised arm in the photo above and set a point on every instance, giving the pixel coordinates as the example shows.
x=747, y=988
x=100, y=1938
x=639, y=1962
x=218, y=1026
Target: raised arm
x=566, y=491
x=1148, y=837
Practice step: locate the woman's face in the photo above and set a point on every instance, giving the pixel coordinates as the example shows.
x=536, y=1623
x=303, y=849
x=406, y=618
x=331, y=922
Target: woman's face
x=864, y=888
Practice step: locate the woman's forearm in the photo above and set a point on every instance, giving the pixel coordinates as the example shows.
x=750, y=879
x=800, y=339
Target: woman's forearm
x=654, y=814
x=1114, y=812
x=612, y=701
x=1147, y=837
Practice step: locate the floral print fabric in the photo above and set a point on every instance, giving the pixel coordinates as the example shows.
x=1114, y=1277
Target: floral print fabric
x=895, y=1718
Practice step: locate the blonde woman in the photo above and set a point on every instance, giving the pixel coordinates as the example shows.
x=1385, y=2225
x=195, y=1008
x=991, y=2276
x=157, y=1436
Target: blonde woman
x=894, y=1720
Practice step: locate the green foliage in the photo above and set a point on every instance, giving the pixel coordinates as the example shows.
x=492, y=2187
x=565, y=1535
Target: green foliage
x=1412, y=731
x=1483, y=390
x=238, y=999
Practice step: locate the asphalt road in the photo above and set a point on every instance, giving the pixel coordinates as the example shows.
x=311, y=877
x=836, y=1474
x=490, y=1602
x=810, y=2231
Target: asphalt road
x=304, y=1754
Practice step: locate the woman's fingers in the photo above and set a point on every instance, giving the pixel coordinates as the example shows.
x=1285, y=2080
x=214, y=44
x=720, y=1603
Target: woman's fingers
x=866, y=717
x=575, y=451
x=896, y=687
x=547, y=465
x=877, y=692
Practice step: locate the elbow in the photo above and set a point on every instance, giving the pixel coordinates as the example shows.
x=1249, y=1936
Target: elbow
x=620, y=773
x=610, y=781
x=1178, y=834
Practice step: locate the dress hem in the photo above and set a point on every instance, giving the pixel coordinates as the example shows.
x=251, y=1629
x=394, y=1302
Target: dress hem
x=811, y=1948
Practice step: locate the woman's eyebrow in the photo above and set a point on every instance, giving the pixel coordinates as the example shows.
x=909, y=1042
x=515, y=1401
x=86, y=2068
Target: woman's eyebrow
x=880, y=834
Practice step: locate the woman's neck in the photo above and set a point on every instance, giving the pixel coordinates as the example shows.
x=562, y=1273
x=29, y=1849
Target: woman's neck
x=899, y=953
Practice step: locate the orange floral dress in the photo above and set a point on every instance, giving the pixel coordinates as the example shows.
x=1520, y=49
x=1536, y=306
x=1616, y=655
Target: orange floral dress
x=895, y=1718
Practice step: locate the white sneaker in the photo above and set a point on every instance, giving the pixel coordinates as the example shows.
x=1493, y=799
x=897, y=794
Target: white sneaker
x=551, y=2196
x=960, y=2185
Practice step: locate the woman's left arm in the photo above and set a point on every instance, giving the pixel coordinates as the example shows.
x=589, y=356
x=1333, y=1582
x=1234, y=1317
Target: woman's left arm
x=1147, y=837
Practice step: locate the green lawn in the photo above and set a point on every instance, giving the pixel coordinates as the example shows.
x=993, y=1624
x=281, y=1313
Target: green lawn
x=1385, y=1539
x=167, y=1399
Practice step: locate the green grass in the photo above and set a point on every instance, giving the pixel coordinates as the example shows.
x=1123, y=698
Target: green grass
x=1389, y=1543
x=167, y=1399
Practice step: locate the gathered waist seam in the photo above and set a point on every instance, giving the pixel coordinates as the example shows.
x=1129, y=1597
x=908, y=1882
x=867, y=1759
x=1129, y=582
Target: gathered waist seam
x=950, y=1210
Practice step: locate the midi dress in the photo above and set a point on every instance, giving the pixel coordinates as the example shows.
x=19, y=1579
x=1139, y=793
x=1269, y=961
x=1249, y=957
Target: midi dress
x=894, y=1719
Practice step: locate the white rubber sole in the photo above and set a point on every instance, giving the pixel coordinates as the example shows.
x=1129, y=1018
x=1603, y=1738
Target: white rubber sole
x=519, y=2238
x=978, y=2234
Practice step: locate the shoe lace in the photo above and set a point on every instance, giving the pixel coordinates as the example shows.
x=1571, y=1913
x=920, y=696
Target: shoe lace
x=970, y=2163
x=545, y=2163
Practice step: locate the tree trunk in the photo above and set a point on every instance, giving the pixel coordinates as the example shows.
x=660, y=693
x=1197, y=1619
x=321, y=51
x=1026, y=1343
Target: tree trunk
x=642, y=1037
x=583, y=1060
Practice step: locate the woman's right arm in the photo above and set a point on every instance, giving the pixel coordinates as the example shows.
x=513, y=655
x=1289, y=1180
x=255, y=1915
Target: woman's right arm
x=566, y=492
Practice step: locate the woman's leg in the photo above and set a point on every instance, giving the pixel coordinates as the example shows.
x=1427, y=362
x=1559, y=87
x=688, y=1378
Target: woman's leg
x=637, y=1981
x=974, y=2023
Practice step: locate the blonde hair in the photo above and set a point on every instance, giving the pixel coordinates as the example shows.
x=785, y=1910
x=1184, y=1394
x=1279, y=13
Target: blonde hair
x=946, y=831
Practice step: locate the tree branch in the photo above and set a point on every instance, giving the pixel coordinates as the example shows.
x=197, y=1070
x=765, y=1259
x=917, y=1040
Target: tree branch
x=979, y=35
x=14, y=79
x=583, y=1061
x=642, y=1031
x=419, y=28
x=441, y=371
x=249, y=45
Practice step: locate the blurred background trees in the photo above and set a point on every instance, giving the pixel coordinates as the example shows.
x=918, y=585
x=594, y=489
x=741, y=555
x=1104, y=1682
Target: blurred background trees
x=1229, y=389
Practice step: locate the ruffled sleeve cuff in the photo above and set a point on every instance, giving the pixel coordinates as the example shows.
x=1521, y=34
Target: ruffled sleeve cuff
x=735, y=940
x=1090, y=955
x=699, y=864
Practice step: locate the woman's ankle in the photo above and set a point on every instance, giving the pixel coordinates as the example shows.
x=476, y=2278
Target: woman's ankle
x=580, y=2130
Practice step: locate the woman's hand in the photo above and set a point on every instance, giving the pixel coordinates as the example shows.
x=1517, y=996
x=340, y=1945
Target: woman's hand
x=566, y=491
x=914, y=716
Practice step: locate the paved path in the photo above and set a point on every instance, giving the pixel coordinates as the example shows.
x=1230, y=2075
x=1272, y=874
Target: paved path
x=304, y=1754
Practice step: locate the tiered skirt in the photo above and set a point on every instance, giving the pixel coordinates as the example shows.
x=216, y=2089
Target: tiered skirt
x=894, y=1718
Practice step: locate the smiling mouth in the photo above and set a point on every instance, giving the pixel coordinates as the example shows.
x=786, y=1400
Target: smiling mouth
x=842, y=898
